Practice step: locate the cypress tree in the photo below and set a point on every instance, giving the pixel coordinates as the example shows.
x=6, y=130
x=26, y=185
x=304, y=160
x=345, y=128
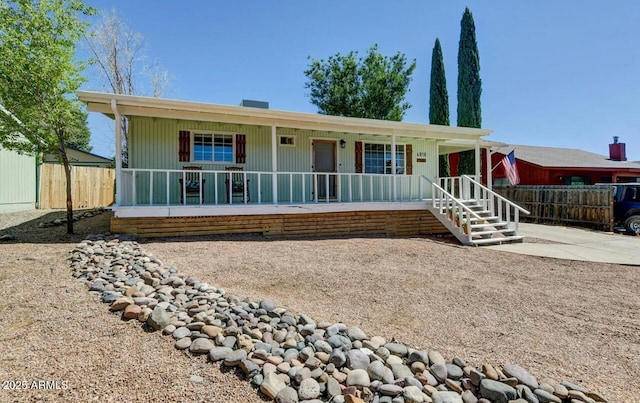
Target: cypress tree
x=439, y=100
x=469, y=86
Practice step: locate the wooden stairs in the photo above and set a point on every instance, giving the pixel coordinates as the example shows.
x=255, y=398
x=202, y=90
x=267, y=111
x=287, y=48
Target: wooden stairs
x=488, y=219
x=486, y=229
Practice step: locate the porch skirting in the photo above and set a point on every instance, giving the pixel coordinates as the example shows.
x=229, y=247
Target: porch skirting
x=352, y=223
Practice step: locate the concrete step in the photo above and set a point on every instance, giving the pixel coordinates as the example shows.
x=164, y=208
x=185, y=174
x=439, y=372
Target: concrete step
x=504, y=231
x=498, y=241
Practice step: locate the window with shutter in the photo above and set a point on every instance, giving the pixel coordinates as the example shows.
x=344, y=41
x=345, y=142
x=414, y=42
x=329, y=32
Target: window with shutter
x=409, y=158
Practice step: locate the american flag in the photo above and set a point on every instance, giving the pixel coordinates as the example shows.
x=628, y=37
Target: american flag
x=510, y=168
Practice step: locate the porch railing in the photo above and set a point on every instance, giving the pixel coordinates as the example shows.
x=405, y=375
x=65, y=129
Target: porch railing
x=169, y=187
x=456, y=195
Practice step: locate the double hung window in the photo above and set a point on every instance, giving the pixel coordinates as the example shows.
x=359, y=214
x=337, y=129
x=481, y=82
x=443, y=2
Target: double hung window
x=378, y=157
x=213, y=147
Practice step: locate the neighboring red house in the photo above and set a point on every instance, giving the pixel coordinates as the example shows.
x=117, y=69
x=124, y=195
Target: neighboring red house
x=560, y=166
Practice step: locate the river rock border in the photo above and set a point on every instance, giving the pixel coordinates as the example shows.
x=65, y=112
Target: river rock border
x=288, y=356
x=77, y=216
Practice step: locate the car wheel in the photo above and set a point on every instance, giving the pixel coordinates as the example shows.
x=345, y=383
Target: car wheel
x=632, y=224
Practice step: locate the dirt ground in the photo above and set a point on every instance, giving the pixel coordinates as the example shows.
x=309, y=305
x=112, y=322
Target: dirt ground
x=561, y=319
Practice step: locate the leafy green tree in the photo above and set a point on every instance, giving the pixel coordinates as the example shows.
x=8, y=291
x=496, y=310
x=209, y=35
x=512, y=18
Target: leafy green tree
x=38, y=78
x=79, y=133
x=439, y=100
x=469, y=86
x=371, y=87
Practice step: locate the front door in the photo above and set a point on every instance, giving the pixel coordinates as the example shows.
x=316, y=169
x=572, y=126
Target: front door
x=325, y=160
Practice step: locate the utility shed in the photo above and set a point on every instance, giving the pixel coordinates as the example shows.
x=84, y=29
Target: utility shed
x=17, y=181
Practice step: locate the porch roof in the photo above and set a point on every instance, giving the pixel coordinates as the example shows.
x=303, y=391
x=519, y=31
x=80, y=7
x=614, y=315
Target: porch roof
x=132, y=105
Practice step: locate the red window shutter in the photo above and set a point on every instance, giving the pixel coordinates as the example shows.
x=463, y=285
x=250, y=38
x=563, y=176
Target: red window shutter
x=184, y=150
x=241, y=150
x=358, y=157
x=408, y=149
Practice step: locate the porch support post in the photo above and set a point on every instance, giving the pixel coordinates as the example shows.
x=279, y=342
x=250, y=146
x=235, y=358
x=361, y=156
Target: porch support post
x=393, y=164
x=478, y=161
x=274, y=164
x=118, y=133
x=489, y=170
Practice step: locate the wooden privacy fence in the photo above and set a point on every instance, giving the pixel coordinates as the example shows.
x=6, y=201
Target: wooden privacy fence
x=585, y=206
x=90, y=186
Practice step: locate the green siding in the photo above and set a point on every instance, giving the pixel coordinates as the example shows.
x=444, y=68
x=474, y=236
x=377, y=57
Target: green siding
x=17, y=181
x=153, y=144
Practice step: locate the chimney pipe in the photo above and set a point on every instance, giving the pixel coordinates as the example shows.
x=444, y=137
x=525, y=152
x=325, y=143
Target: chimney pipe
x=617, y=151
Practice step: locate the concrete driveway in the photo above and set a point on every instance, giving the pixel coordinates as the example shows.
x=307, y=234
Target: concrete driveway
x=576, y=244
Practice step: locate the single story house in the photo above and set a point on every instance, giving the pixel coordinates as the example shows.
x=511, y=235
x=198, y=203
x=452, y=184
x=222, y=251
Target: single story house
x=17, y=181
x=81, y=158
x=198, y=168
x=566, y=166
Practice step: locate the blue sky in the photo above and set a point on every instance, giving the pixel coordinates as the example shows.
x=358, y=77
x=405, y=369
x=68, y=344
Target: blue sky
x=554, y=73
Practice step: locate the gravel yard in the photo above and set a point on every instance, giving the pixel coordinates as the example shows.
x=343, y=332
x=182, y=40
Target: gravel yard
x=564, y=320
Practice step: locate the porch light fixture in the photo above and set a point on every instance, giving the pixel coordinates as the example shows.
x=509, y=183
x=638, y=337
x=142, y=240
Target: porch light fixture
x=343, y=144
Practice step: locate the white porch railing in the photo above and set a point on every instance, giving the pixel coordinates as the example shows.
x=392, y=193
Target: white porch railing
x=168, y=186
x=456, y=195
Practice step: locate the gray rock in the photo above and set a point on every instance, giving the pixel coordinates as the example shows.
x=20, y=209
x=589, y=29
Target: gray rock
x=376, y=370
x=219, y=353
x=355, y=333
x=446, y=397
x=389, y=389
x=234, y=358
x=453, y=371
x=412, y=394
x=522, y=375
x=468, y=397
x=268, y=305
x=497, y=392
x=527, y=394
x=333, y=387
x=201, y=346
x=337, y=358
x=546, y=397
x=335, y=329
x=309, y=389
x=439, y=371
x=436, y=358
x=419, y=356
x=356, y=359
x=159, y=318
x=323, y=346
x=401, y=371
x=181, y=332
x=287, y=395
x=396, y=349
x=358, y=377
x=183, y=343
x=339, y=341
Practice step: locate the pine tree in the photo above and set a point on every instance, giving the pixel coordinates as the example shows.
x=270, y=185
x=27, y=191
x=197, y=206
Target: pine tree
x=439, y=100
x=469, y=86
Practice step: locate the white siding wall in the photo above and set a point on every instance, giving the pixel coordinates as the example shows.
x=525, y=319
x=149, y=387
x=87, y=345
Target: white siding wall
x=153, y=143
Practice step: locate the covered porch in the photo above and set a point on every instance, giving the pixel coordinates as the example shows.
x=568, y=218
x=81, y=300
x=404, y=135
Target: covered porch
x=209, y=169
